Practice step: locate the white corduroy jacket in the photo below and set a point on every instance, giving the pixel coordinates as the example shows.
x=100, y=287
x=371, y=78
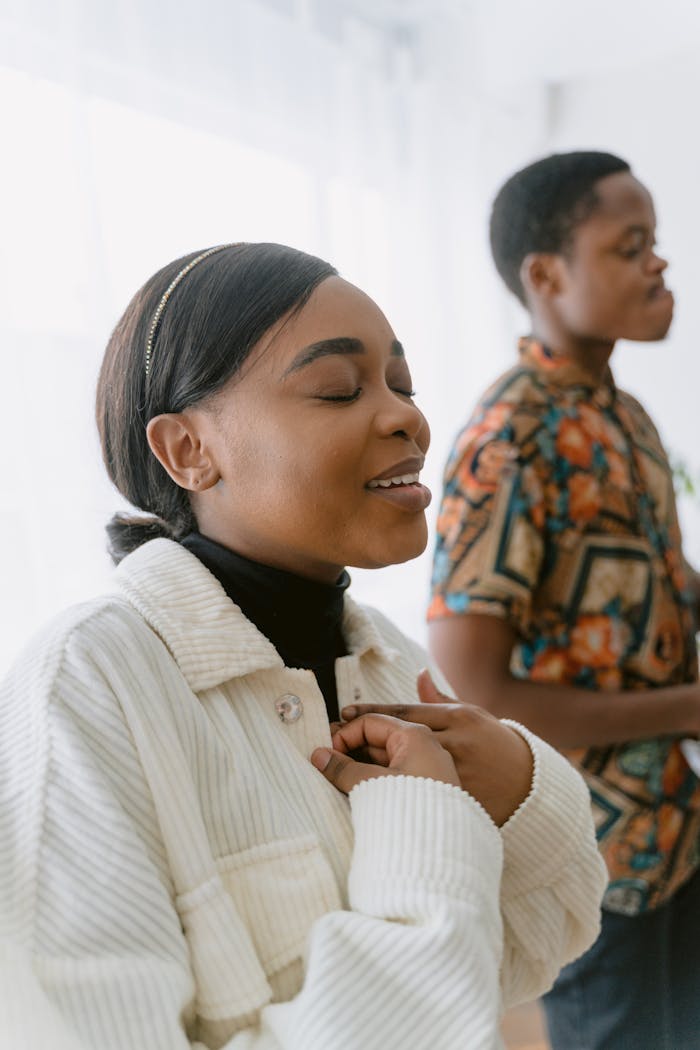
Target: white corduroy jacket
x=175, y=873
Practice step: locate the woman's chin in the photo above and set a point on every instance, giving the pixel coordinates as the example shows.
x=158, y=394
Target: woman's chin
x=395, y=553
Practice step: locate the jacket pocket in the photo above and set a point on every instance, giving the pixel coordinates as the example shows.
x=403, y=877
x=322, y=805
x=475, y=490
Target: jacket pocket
x=279, y=890
x=246, y=928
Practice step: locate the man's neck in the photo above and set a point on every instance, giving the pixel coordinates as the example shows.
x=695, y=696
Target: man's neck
x=592, y=355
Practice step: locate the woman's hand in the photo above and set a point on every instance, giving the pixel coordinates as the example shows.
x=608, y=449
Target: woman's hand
x=393, y=747
x=493, y=761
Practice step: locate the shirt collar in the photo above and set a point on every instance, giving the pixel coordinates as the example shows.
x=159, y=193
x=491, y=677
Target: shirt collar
x=301, y=617
x=207, y=634
x=558, y=370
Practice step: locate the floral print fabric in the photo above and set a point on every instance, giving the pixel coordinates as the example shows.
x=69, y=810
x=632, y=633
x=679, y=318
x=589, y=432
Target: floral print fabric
x=558, y=514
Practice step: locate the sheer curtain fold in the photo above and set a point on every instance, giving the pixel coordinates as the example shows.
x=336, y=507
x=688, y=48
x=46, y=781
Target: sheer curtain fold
x=133, y=134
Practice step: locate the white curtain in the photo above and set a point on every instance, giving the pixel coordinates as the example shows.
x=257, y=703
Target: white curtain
x=135, y=132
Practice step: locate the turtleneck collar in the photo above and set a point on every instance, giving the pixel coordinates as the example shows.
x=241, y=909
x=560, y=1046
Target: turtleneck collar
x=301, y=617
x=559, y=370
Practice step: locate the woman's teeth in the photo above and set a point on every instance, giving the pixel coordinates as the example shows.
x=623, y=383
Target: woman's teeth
x=401, y=479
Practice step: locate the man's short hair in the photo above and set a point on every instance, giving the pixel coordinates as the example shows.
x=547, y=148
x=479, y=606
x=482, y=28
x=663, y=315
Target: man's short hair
x=538, y=208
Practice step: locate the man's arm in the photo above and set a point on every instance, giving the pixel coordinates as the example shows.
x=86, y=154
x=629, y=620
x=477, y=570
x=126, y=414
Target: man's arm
x=694, y=584
x=473, y=652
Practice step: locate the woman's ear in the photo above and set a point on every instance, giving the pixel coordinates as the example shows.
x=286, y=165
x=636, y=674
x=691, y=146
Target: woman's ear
x=176, y=442
x=541, y=275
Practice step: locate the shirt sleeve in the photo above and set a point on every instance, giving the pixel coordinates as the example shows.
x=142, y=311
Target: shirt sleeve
x=87, y=901
x=490, y=530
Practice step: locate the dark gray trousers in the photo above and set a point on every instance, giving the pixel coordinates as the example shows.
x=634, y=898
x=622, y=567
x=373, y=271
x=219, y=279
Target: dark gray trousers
x=638, y=987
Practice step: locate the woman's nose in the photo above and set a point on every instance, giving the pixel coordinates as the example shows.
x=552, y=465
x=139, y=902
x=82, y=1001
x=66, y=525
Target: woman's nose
x=400, y=416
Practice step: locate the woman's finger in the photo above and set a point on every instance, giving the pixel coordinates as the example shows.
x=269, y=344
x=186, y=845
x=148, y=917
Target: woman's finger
x=370, y=730
x=429, y=695
x=429, y=692
x=433, y=715
x=342, y=771
x=375, y=755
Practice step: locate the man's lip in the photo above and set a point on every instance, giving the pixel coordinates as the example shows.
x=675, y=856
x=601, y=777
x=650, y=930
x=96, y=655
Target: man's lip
x=413, y=465
x=659, y=290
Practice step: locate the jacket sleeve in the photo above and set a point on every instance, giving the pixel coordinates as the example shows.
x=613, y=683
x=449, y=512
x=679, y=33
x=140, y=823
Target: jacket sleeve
x=553, y=877
x=87, y=901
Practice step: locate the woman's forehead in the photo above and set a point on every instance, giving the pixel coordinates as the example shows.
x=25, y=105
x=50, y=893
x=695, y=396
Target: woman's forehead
x=337, y=302
x=335, y=310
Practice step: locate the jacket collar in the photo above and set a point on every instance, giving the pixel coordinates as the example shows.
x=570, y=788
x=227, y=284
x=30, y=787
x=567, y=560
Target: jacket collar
x=558, y=370
x=208, y=636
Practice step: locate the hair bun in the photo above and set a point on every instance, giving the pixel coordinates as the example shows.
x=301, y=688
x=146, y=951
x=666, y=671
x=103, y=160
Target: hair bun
x=126, y=532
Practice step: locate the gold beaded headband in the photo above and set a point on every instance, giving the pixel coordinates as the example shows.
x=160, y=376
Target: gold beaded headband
x=168, y=292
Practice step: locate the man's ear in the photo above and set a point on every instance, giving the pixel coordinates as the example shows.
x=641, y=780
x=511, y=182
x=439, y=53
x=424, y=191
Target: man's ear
x=176, y=442
x=541, y=274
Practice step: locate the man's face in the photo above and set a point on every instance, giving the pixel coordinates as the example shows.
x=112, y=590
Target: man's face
x=612, y=284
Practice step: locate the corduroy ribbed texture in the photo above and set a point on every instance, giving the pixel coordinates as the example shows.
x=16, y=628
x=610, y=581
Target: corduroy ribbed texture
x=174, y=872
x=547, y=844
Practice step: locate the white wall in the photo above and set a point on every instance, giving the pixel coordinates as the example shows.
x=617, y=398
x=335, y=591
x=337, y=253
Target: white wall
x=647, y=115
x=373, y=132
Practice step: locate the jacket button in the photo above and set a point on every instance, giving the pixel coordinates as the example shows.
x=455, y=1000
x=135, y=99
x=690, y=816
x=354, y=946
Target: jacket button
x=289, y=708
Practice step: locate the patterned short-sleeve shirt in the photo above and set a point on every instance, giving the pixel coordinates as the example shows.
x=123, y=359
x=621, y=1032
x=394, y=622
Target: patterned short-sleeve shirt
x=558, y=514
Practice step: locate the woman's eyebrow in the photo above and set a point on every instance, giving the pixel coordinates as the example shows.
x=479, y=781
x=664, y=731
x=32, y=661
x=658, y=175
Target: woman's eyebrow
x=340, y=345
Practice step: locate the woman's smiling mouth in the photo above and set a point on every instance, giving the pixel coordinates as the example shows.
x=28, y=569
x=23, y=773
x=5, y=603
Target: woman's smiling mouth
x=400, y=486
x=400, y=479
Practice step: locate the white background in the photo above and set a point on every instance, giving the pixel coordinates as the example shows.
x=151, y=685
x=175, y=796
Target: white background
x=371, y=132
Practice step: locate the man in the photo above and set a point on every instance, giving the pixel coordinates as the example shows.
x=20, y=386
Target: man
x=561, y=597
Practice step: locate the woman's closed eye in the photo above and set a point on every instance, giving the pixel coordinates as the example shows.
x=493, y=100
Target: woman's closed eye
x=341, y=397
x=345, y=398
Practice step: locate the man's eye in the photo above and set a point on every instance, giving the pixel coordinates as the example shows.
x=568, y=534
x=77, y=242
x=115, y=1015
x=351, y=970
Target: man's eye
x=403, y=393
x=341, y=397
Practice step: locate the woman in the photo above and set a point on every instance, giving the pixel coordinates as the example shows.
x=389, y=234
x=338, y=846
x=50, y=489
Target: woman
x=184, y=866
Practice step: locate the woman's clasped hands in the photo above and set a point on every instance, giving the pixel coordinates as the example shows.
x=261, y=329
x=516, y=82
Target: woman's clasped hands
x=441, y=739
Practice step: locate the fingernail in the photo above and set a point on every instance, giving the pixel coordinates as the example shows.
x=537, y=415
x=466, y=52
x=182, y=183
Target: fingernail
x=348, y=713
x=321, y=757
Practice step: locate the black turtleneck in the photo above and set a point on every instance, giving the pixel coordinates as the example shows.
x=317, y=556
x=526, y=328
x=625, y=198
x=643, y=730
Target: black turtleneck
x=302, y=618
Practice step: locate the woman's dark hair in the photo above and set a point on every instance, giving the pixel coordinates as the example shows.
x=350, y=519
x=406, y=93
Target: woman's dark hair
x=538, y=208
x=211, y=322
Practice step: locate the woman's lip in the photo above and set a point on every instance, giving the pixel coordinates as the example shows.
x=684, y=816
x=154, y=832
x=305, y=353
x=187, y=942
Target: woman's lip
x=414, y=497
x=412, y=465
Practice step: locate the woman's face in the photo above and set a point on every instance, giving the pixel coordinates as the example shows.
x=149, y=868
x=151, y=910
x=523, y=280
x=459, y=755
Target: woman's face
x=305, y=438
